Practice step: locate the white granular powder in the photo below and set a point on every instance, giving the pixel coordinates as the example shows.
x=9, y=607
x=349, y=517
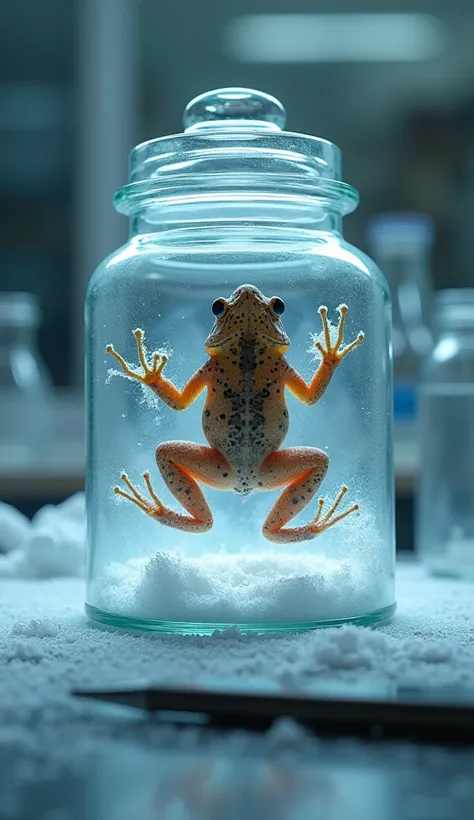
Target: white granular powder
x=263, y=587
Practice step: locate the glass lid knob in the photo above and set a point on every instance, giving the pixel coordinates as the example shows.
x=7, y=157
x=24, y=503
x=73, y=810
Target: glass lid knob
x=234, y=107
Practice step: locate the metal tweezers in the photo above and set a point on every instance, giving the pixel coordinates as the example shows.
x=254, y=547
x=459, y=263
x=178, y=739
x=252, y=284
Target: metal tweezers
x=408, y=716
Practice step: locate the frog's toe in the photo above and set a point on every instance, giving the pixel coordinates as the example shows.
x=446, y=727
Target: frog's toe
x=157, y=509
x=322, y=522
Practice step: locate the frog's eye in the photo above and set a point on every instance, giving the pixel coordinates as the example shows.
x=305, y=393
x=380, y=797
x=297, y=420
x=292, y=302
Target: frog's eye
x=218, y=307
x=278, y=306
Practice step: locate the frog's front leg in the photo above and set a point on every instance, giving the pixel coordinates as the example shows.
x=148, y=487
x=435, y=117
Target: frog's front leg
x=152, y=376
x=331, y=357
x=182, y=464
x=300, y=470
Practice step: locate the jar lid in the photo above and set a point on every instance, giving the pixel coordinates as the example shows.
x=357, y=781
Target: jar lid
x=19, y=309
x=235, y=108
x=234, y=139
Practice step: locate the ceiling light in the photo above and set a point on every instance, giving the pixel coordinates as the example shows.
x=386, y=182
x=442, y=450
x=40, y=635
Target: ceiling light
x=315, y=38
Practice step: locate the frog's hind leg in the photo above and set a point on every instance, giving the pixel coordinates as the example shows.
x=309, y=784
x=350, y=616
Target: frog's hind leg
x=300, y=470
x=182, y=464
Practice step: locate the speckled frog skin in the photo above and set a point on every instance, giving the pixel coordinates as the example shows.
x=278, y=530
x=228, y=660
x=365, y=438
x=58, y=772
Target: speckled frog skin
x=245, y=420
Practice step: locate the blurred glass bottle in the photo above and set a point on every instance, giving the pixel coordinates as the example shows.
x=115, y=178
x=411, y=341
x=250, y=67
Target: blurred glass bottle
x=445, y=503
x=26, y=421
x=401, y=245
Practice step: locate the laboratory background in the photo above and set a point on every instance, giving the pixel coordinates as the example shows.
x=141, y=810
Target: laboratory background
x=391, y=83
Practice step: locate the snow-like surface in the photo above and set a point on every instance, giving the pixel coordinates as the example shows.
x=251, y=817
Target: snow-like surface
x=47, y=647
x=14, y=528
x=52, y=544
x=266, y=587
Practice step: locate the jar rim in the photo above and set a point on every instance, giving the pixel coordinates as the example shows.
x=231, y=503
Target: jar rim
x=190, y=188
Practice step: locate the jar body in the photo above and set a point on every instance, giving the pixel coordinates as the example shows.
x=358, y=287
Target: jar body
x=445, y=512
x=142, y=573
x=26, y=420
x=401, y=245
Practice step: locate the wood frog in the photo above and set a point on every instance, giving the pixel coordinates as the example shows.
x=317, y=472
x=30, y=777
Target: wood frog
x=245, y=420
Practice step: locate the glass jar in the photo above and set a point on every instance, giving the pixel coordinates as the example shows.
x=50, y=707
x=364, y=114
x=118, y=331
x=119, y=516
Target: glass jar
x=26, y=422
x=191, y=515
x=445, y=509
x=401, y=245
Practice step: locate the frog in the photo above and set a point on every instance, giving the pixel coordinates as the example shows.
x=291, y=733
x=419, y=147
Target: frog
x=245, y=420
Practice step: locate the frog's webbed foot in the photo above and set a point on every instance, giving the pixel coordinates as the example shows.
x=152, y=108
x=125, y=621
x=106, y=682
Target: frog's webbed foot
x=322, y=522
x=153, y=508
x=333, y=354
x=275, y=528
x=300, y=470
x=198, y=516
x=151, y=372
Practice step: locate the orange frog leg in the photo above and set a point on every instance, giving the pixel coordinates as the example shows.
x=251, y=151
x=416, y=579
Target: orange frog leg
x=300, y=470
x=331, y=357
x=152, y=376
x=182, y=464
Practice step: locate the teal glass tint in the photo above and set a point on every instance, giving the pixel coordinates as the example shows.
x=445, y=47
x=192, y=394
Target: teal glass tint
x=239, y=388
